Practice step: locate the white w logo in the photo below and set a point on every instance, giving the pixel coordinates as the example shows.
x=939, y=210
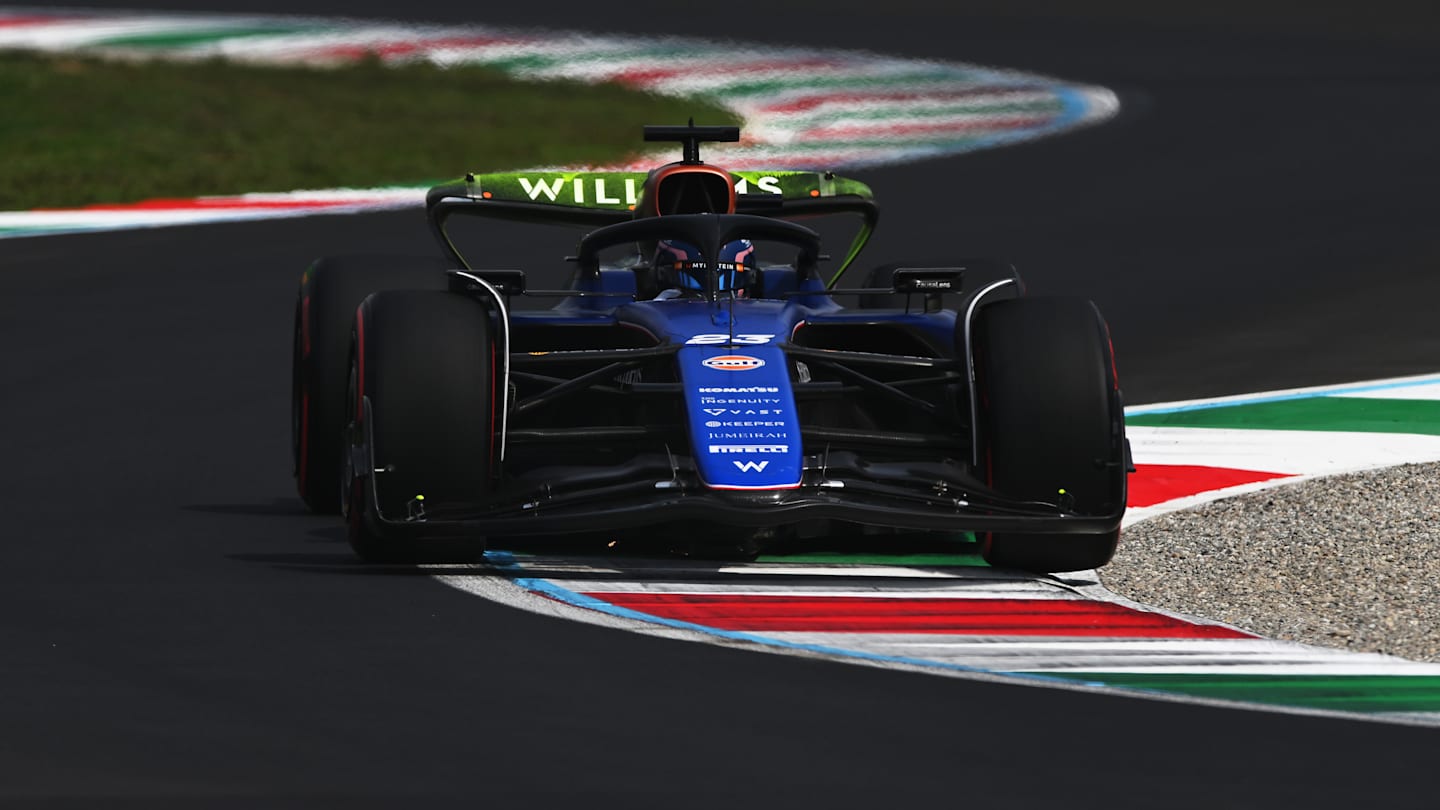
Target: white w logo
x=538, y=187
x=751, y=466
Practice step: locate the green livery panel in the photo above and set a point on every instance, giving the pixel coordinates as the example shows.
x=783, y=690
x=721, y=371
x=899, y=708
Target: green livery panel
x=620, y=191
x=602, y=198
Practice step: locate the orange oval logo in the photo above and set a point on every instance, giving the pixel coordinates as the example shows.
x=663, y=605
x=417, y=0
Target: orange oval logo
x=733, y=362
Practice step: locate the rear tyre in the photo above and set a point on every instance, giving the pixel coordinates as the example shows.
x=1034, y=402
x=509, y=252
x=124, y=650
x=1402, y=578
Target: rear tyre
x=329, y=293
x=425, y=362
x=1051, y=424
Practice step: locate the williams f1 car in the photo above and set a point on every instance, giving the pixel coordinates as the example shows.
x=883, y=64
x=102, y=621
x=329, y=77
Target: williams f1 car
x=703, y=375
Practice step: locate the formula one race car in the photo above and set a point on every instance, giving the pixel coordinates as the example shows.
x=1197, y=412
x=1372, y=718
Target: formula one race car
x=700, y=378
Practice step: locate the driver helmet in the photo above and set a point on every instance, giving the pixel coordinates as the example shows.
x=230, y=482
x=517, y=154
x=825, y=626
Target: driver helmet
x=679, y=265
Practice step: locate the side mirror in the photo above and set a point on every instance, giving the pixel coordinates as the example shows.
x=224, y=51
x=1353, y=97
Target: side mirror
x=932, y=282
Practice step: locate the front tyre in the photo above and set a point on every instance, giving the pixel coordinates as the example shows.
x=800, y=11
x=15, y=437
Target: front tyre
x=330, y=291
x=1051, y=424
x=422, y=396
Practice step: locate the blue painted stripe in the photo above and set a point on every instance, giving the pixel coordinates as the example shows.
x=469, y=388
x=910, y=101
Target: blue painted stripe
x=1074, y=106
x=506, y=562
x=1358, y=388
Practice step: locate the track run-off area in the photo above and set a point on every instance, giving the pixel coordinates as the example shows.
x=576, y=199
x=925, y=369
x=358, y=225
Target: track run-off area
x=944, y=613
x=802, y=107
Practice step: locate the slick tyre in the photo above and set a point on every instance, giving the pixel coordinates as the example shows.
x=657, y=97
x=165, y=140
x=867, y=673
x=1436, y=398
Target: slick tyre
x=422, y=395
x=1051, y=424
x=329, y=293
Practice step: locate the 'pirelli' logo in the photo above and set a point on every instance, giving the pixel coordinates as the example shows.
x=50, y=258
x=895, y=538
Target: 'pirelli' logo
x=749, y=448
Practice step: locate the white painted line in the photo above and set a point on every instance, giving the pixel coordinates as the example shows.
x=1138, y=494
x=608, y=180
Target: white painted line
x=83, y=31
x=1427, y=391
x=1069, y=654
x=1418, y=382
x=890, y=589
x=1290, y=452
x=840, y=570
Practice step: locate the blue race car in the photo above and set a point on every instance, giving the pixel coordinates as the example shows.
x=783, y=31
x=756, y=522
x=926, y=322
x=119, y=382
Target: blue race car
x=700, y=378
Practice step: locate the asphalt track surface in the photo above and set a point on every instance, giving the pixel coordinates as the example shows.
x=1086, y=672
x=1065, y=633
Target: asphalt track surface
x=180, y=633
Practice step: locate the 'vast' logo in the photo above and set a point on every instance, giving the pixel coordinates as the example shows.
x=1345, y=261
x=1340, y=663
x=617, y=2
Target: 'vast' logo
x=733, y=362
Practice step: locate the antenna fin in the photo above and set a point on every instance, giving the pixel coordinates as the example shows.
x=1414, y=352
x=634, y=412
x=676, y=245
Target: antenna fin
x=690, y=137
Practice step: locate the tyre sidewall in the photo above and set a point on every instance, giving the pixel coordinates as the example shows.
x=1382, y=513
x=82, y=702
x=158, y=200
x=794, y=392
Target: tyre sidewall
x=330, y=291
x=425, y=362
x=1051, y=425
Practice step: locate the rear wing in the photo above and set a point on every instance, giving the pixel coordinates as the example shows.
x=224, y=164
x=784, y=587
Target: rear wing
x=597, y=199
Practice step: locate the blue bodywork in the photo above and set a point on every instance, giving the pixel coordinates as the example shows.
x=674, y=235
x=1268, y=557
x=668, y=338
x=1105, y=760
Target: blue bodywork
x=744, y=426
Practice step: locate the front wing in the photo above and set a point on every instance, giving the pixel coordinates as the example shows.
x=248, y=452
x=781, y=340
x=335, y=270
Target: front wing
x=651, y=490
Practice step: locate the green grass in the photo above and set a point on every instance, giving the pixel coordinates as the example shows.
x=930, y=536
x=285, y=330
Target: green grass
x=80, y=130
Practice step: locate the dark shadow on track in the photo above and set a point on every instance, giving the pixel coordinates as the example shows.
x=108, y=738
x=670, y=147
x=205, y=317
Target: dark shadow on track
x=277, y=507
x=347, y=564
